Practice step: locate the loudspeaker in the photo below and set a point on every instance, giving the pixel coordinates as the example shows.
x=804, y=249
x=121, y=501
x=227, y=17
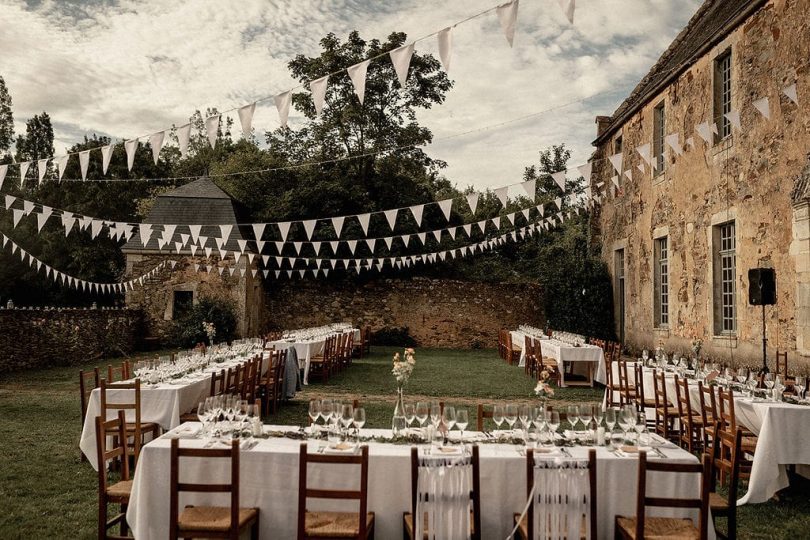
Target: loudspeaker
x=761, y=286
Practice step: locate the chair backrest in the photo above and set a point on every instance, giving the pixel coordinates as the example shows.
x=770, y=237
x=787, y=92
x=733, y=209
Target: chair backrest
x=118, y=373
x=548, y=483
x=88, y=381
x=482, y=415
x=528, y=348
x=234, y=378
x=124, y=406
x=708, y=407
x=305, y=492
x=660, y=384
x=727, y=417
x=624, y=381
x=277, y=365
x=701, y=503
x=218, y=383
x=176, y=486
x=639, y=384
x=682, y=397
x=111, y=445
x=781, y=363
x=420, y=491
x=248, y=384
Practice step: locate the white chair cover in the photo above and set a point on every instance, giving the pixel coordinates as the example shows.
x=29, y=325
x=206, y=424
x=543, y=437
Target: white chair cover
x=561, y=498
x=443, y=493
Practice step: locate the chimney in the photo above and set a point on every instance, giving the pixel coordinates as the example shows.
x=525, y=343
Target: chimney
x=602, y=122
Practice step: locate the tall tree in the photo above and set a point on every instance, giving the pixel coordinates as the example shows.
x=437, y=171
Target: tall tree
x=6, y=119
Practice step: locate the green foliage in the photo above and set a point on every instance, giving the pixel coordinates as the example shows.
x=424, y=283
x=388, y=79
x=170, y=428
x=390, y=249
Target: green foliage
x=6, y=120
x=188, y=330
x=396, y=336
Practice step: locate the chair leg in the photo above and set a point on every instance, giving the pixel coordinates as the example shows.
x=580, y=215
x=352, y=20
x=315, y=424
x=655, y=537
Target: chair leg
x=102, y=518
x=254, y=530
x=123, y=526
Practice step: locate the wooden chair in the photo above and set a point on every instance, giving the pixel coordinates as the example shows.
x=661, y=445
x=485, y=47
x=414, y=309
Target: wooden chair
x=209, y=521
x=118, y=373
x=366, y=339
x=728, y=425
x=691, y=421
x=247, y=386
x=217, y=388
x=88, y=381
x=512, y=353
x=273, y=382
x=527, y=523
x=112, y=432
x=313, y=525
x=642, y=526
x=642, y=401
x=475, y=497
x=727, y=506
x=530, y=363
x=611, y=385
x=136, y=430
x=320, y=365
x=665, y=413
x=233, y=382
x=348, y=348
x=781, y=363
x=710, y=418
x=546, y=363
x=482, y=415
x=626, y=390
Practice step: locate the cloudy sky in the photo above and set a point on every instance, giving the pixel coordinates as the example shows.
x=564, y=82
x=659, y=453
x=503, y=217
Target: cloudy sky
x=129, y=68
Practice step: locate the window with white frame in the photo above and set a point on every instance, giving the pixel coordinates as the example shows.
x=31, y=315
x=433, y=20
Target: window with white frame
x=725, y=278
x=659, y=130
x=661, y=261
x=722, y=94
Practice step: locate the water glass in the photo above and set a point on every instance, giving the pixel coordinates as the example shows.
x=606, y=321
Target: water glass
x=498, y=415
x=462, y=420
x=422, y=412
x=511, y=415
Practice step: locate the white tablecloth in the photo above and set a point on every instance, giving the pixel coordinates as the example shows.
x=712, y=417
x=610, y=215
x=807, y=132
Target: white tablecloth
x=783, y=439
x=269, y=481
x=564, y=353
x=306, y=349
x=162, y=404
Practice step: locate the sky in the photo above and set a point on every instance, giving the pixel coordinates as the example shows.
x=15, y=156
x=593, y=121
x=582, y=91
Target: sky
x=133, y=67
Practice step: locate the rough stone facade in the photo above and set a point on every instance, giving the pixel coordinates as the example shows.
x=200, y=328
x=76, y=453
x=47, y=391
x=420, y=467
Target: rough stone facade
x=36, y=338
x=437, y=313
x=156, y=297
x=746, y=178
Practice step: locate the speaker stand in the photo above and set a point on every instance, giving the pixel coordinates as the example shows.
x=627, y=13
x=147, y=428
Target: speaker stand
x=764, y=344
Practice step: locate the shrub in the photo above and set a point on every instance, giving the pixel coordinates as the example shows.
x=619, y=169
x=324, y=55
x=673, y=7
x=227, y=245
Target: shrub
x=397, y=336
x=188, y=331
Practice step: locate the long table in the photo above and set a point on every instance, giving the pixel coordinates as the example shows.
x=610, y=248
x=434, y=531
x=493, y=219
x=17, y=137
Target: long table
x=269, y=481
x=592, y=356
x=305, y=349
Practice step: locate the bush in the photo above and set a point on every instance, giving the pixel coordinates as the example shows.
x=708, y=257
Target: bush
x=188, y=331
x=399, y=337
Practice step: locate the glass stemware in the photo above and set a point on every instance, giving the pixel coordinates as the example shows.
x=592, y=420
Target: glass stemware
x=410, y=414
x=523, y=415
x=422, y=412
x=497, y=415
x=462, y=420
x=448, y=419
x=586, y=414
x=347, y=417
x=435, y=414
x=800, y=385
x=511, y=415
x=573, y=417
x=202, y=414
x=359, y=420
x=314, y=412
x=553, y=423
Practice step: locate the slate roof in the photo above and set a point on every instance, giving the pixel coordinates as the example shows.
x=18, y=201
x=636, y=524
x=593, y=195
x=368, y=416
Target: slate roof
x=200, y=202
x=712, y=22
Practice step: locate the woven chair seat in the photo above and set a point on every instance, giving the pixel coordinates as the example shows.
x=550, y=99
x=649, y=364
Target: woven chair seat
x=335, y=524
x=120, y=490
x=408, y=520
x=145, y=427
x=523, y=527
x=190, y=416
x=718, y=503
x=213, y=518
x=658, y=528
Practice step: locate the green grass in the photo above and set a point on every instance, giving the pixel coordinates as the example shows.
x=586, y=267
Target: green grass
x=47, y=492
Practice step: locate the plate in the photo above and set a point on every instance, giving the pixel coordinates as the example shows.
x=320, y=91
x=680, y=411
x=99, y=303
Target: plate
x=635, y=449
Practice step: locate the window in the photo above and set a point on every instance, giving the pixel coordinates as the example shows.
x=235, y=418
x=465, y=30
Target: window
x=661, y=256
x=183, y=302
x=659, y=128
x=617, y=145
x=725, y=278
x=722, y=94
x=618, y=261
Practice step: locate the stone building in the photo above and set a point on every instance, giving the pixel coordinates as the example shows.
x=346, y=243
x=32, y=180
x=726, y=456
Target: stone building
x=200, y=270
x=680, y=236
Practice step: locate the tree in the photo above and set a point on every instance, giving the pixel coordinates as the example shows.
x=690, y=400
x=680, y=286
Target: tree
x=6, y=119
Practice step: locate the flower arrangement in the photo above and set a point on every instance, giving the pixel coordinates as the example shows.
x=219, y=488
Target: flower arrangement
x=210, y=331
x=697, y=344
x=403, y=367
x=543, y=388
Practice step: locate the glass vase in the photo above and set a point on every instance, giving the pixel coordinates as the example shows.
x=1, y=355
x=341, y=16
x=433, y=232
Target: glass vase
x=398, y=424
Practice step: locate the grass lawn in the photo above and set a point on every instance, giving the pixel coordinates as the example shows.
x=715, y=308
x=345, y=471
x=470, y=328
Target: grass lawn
x=47, y=492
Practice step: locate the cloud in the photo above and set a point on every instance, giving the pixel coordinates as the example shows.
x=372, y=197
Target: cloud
x=133, y=67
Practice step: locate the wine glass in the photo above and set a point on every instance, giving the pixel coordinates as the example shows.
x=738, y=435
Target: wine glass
x=598, y=415
x=202, y=414
x=573, y=417
x=640, y=426
x=410, y=414
x=435, y=413
x=347, y=416
x=497, y=415
x=462, y=421
x=249, y=412
x=314, y=412
x=359, y=420
x=627, y=419
x=523, y=415
x=610, y=419
x=769, y=382
x=553, y=423
x=742, y=375
x=510, y=415
x=800, y=385
x=448, y=419
x=586, y=414
x=422, y=411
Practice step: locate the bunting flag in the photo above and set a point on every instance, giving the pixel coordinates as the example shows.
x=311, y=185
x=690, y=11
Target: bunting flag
x=401, y=59
x=472, y=201
x=156, y=142
x=282, y=102
x=707, y=131
x=530, y=187
x=792, y=93
x=145, y=232
x=616, y=160
x=24, y=170
x=42, y=167
x=309, y=227
x=337, y=223
x=445, y=206
x=3, y=171
x=507, y=15
x=183, y=136
x=673, y=141
x=357, y=74
x=417, y=214
x=17, y=216
x=502, y=194
x=585, y=171
x=130, y=147
x=733, y=118
x=559, y=179
x=225, y=232
x=364, y=219
x=61, y=165
x=318, y=90
x=246, y=119
x=445, y=38
x=645, y=151
x=258, y=231
x=284, y=229
x=211, y=128
x=391, y=217
x=568, y=7
x=84, y=162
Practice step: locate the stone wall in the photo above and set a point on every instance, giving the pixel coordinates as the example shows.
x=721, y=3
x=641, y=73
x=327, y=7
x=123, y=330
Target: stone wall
x=746, y=178
x=33, y=338
x=437, y=313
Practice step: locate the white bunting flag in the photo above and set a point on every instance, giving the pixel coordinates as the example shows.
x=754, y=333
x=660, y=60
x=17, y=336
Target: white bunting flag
x=467, y=229
x=337, y=223
x=309, y=227
x=530, y=187
x=446, y=205
x=195, y=230
x=334, y=246
x=316, y=247
x=558, y=202
x=371, y=242
x=446, y=47
x=95, y=228
x=183, y=135
x=640, y=167
x=357, y=74
x=437, y=234
x=673, y=141
x=568, y=6
x=585, y=171
x=733, y=118
x=628, y=174
x=211, y=128
x=3, y=171
x=42, y=167
x=507, y=15
x=792, y=93
x=282, y=102
x=246, y=119
x=284, y=229
x=763, y=106
x=156, y=142
x=502, y=194
x=616, y=160
x=615, y=181
x=417, y=212
x=61, y=165
x=388, y=240
x=559, y=179
x=130, y=147
x=24, y=165
x=391, y=217
x=318, y=90
x=406, y=239
x=242, y=245
x=28, y=207
x=258, y=230
x=472, y=201
x=145, y=232
x=707, y=131
x=67, y=222
x=645, y=151
x=225, y=232
x=352, y=244
x=297, y=246
x=401, y=59
x=497, y=222
x=18, y=214
x=364, y=219
x=422, y=237
x=84, y=162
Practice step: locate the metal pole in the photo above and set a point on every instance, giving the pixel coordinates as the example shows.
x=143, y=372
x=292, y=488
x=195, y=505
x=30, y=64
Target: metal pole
x=764, y=344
